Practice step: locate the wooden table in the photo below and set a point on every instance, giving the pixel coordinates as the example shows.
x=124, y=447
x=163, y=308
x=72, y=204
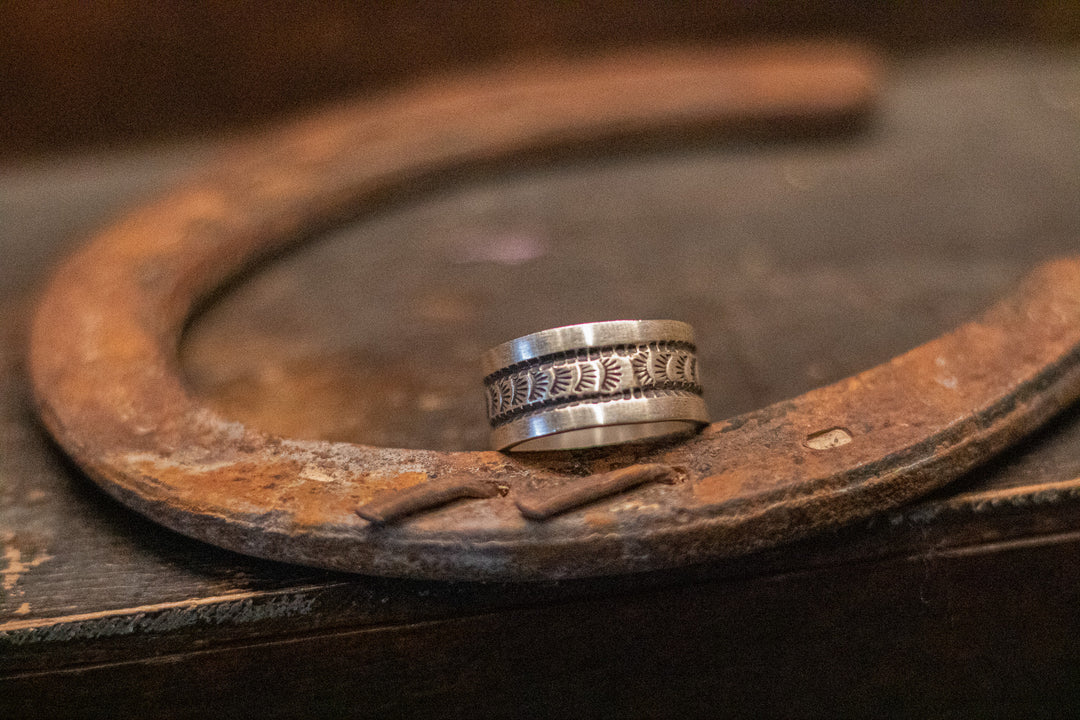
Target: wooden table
x=834, y=255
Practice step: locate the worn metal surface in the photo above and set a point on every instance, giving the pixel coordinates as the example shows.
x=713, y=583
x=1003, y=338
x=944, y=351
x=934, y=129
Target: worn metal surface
x=395, y=504
x=105, y=338
x=547, y=502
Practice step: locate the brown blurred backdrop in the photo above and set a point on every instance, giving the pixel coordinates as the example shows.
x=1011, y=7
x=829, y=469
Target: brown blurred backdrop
x=75, y=73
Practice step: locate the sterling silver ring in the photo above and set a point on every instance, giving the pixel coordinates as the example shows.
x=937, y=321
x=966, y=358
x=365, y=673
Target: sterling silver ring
x=593, y=384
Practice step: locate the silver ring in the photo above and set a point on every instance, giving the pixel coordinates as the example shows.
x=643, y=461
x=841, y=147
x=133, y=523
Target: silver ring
x=593, y=384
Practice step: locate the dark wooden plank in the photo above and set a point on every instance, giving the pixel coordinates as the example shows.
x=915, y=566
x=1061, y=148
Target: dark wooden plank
x=798, y=263
x=970, y=634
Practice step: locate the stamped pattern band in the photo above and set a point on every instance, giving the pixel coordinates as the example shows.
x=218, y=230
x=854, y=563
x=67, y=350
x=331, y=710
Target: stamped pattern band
x=592, y=385
x=595, y=374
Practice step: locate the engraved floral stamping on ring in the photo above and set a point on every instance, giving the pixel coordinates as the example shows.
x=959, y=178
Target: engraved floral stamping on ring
x=594, y=384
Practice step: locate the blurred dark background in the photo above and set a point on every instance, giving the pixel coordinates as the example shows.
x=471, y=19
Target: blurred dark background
x=76, y=74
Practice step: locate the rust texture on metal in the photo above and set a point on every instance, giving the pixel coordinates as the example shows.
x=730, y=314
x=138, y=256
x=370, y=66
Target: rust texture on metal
x=105, y=337
x=395, y=504
x=549, y=501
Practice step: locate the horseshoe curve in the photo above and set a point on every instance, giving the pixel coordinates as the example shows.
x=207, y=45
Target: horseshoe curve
x=103, y=351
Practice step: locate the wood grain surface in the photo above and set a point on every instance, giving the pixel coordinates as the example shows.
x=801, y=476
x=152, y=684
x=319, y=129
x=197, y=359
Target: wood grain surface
x=841, y=255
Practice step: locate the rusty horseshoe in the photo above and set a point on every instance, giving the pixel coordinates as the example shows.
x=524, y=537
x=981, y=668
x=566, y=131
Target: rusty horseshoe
x=103, y=353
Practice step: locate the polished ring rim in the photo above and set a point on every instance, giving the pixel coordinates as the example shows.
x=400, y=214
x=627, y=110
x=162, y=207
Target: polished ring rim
x=568, y=338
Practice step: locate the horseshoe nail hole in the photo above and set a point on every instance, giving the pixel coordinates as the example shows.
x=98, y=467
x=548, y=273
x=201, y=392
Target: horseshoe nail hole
x=828, y=439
